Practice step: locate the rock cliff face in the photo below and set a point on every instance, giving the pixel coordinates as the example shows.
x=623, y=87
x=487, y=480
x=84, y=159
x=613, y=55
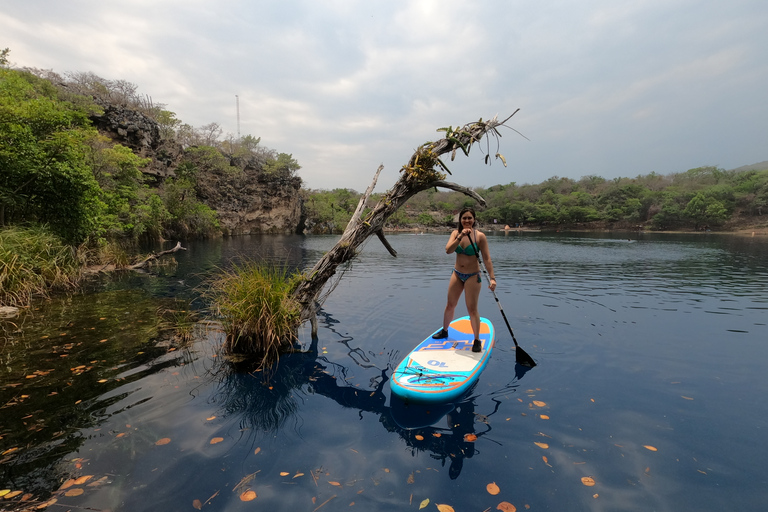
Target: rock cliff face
x=251, y=202
x=247, y=202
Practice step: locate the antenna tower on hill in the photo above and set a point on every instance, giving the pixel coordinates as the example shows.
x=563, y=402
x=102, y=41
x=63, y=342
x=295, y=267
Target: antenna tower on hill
x=237, y=101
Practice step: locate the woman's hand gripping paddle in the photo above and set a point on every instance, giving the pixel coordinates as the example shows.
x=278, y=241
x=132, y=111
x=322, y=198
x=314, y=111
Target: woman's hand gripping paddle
x=521, y=356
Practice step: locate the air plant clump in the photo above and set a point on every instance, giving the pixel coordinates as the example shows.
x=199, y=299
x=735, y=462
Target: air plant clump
x=423, y=164
x=258, y=312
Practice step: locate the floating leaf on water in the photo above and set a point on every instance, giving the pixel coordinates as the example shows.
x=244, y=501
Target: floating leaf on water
x=3, y=492
x=539, y=403
x=337, y=484
x=444, y=508
x=248, y=495
x=436, y=434
x=506, y=506
x=410, y=479
x=83, y=479
x=419, y=437
x=544, y=458
x=46, y=504
x=256, y=451
x=210, y=418
x=588, y=481
x=284, y=473
x=544, y=416
x=66, y=485
x=101, y=481
x=161, y=442
x=297, y=475
x=216, y=440
x=541, y=445
x=595, y=495
x=424, y=504
x=649, y=447
x=73, y=492
x=13, y=494
x=686, y=397
x=197, y=504
x=386, y=470
x=492, y=489
x=470, y=438
x=244, y=483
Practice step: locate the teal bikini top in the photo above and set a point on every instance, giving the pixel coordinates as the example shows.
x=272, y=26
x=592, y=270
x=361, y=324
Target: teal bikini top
x=468, y=250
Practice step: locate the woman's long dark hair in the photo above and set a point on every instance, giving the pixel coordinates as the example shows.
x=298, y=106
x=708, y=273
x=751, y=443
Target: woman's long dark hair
x=467, y=210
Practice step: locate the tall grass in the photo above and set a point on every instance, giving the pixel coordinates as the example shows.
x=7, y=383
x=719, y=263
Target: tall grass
x=33, y=261
x=257, y=310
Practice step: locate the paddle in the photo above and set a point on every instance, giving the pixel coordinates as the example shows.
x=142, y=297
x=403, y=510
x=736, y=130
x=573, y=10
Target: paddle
x=521, y=356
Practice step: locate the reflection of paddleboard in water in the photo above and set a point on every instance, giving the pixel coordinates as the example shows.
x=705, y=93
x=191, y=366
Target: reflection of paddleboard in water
x=440, y=371
x=414, y=415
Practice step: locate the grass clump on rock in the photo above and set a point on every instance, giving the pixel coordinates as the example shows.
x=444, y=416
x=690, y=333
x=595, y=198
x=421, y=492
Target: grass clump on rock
x=255, y=303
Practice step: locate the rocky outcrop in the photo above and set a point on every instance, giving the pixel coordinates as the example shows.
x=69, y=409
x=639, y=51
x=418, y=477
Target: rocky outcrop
x=135, y=130
x=247, y=201
x=253, y=202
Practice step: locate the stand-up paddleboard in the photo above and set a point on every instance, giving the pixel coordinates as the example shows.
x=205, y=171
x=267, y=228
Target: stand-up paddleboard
x=444, y=370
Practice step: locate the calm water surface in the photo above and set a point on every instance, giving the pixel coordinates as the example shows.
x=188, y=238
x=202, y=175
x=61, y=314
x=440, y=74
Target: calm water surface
x=650, y=380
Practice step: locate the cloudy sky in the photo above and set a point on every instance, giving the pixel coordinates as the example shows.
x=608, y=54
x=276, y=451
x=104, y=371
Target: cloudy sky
x=604, y=87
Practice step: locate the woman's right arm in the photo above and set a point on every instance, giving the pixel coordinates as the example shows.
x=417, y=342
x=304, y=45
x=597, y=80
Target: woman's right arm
x=453, y=242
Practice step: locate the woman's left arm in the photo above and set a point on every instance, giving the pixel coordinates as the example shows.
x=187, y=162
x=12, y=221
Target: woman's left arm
x=483, y=243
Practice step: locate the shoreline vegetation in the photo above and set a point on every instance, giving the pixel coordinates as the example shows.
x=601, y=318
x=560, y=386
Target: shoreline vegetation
x=760, y=229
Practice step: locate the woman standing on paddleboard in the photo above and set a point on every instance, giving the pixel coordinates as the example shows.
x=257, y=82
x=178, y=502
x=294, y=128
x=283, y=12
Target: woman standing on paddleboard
x=465, y=241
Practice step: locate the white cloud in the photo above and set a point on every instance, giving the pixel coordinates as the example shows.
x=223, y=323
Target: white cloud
x=605, y=88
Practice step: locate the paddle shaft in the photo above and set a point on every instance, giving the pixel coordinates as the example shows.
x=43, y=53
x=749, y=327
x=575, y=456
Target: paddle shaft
x=522, y=357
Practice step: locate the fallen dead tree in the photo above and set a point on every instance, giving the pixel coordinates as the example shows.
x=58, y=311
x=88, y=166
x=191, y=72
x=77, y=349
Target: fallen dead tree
x=153, y=257
x=423, y=171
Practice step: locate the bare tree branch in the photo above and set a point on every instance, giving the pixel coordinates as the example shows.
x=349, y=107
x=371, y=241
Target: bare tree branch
x=153, y=257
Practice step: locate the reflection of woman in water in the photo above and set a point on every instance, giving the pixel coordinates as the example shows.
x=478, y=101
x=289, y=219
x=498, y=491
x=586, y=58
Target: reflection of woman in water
x=461, y=421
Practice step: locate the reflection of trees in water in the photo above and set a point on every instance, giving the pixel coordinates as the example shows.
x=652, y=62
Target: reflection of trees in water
x=265, y=401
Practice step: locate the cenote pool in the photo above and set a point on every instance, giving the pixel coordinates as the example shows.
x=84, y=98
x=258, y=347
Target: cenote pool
x=649, y=394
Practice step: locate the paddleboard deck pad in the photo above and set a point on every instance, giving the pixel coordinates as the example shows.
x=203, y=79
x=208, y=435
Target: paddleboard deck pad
x=444, y=370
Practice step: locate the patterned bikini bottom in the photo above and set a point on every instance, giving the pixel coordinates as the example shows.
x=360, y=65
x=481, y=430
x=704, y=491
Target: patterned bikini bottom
x=463, y=277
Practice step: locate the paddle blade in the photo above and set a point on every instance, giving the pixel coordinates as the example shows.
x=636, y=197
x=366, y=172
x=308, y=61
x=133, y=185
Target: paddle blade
x=522, y=358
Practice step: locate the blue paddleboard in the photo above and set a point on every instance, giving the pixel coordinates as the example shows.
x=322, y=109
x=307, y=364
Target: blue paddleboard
x=444, y=370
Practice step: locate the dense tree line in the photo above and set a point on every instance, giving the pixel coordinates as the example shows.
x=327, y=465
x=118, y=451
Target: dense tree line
x=705, y=197
x=56, y=169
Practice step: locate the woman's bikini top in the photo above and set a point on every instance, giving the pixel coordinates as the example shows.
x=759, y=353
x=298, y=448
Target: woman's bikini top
x=468, y=250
